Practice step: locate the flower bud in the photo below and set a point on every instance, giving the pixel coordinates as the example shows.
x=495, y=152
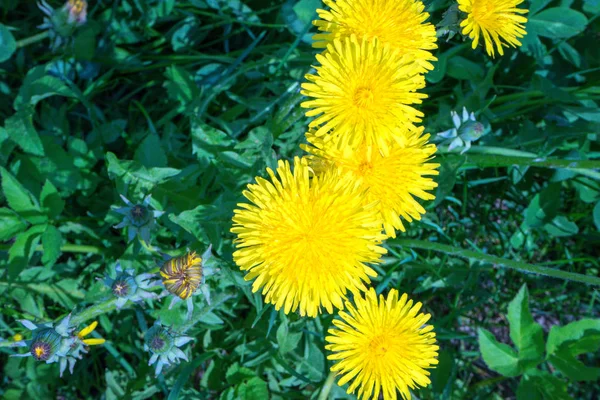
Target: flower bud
x=44, y=344
x=158, y=340
x=182, y=275
x=124, y=285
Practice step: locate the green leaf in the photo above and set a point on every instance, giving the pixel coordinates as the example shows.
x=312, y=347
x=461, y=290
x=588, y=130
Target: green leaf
x=536, y=385
x=132, y=173
x=596, y=214
x=236, y=374
x=498, y=356
x=525, y=333
x=39, y=86
x=20, y=129
x=528, y=389
x=180, y=85
x=569, y=53
x=573, y=333
x=287, y=340
x=464, y=69
x=10, y=224
x=591, y=6
x=18, y=198
x=306, y=10
x=561, y=227
x=253, y=389
x=51, y=200
x=22, y=249
x=51, y=242
x=150, y=153
x=8, y=45
x=558, y=23
x=572, y=368
x=566, y=343
x=543, y=207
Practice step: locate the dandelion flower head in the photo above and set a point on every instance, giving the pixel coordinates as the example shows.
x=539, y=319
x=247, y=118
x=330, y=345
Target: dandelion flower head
x=306, y=240
x=363, y=91
x=382, y=346
x=500, y=23
x=394, y=180
x=399, y=23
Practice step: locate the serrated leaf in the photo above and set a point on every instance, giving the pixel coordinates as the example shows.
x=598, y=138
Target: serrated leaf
x=498, y=356
x=51, y=242
x=51, y=200
x=537, y=385
x=573, y=332
x=287, y=340
x=543, y=207
x=236, y=374
x=253, y=389
x=10, y=224
x=572, y=368
x=525, y=333
x=150, y=153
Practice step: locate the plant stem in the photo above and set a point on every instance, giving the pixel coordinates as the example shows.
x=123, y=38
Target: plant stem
x=67, y=248
x=32, y=39
x=329, y=382
x=497, y=261
x=96, y=310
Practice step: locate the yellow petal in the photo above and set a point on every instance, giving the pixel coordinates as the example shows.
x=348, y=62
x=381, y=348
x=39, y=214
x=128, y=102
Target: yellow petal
x=94, y=342
x=88, y=329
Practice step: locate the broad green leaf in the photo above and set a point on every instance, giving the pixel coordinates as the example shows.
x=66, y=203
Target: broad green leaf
x=10, y=224
x=51, y=242
x=561, y=227
x=22, y=249
x=498, y=356
x=236, y=374
x=463, y=69
x=569, y=53
x=38, y=87
x=253, y=389
x=596, y=214
x=528, y=389
x=180, y=85
x=591, y=6
x=18, y=198
x=133, y=173
x=20, y=129
x=306, y=10
x=537, y=385
x=574, y=332
x=51, y=200
x=525, y=333
x=150, y=152
x=543, y=207
x=558, y=23
x=286, y=339
x=572, y=368
x=8, y=45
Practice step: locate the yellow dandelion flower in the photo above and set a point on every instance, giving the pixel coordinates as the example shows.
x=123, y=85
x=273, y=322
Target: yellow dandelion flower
x=392, y=180
x=498, y=21
x=86, y=331
x=399, y=23
x=382, y=346
x=363, y=91
x=305, y=240
x=182, y=275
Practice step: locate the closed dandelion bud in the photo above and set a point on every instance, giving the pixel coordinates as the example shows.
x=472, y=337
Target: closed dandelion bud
x=44, y=344
x=158, y=340
x=138, y=218
x=471, y=130
x=164, y=346
x=124, y=285
x=182, y=275
x=77, y=10
x=62, y=23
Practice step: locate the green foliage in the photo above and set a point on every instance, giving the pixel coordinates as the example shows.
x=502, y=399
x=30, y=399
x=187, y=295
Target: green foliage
x=563, y=345
x=188, y=101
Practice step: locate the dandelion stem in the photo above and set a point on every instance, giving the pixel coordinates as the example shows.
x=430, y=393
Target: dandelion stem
x=96, y=310
x=497, y=261
x=32, y=39
x=329, y=382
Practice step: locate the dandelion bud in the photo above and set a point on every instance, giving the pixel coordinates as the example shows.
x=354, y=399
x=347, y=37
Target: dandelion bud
x=158, y=339
x=182, y=275
x=77, y=10
x=124, y=285
x=44, y=344
x=471, y=130
x=138, y=218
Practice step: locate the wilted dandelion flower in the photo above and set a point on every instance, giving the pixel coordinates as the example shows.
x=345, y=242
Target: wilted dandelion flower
x=164, y=345
x=62, y=23
x=498, y=21
x=305, y=240
x=394, y=181
x=382, y=346
x=399, y=23
x=362, y=92
x=183, y=276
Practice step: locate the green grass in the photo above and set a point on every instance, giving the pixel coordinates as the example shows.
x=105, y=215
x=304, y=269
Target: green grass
x=189, y=101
